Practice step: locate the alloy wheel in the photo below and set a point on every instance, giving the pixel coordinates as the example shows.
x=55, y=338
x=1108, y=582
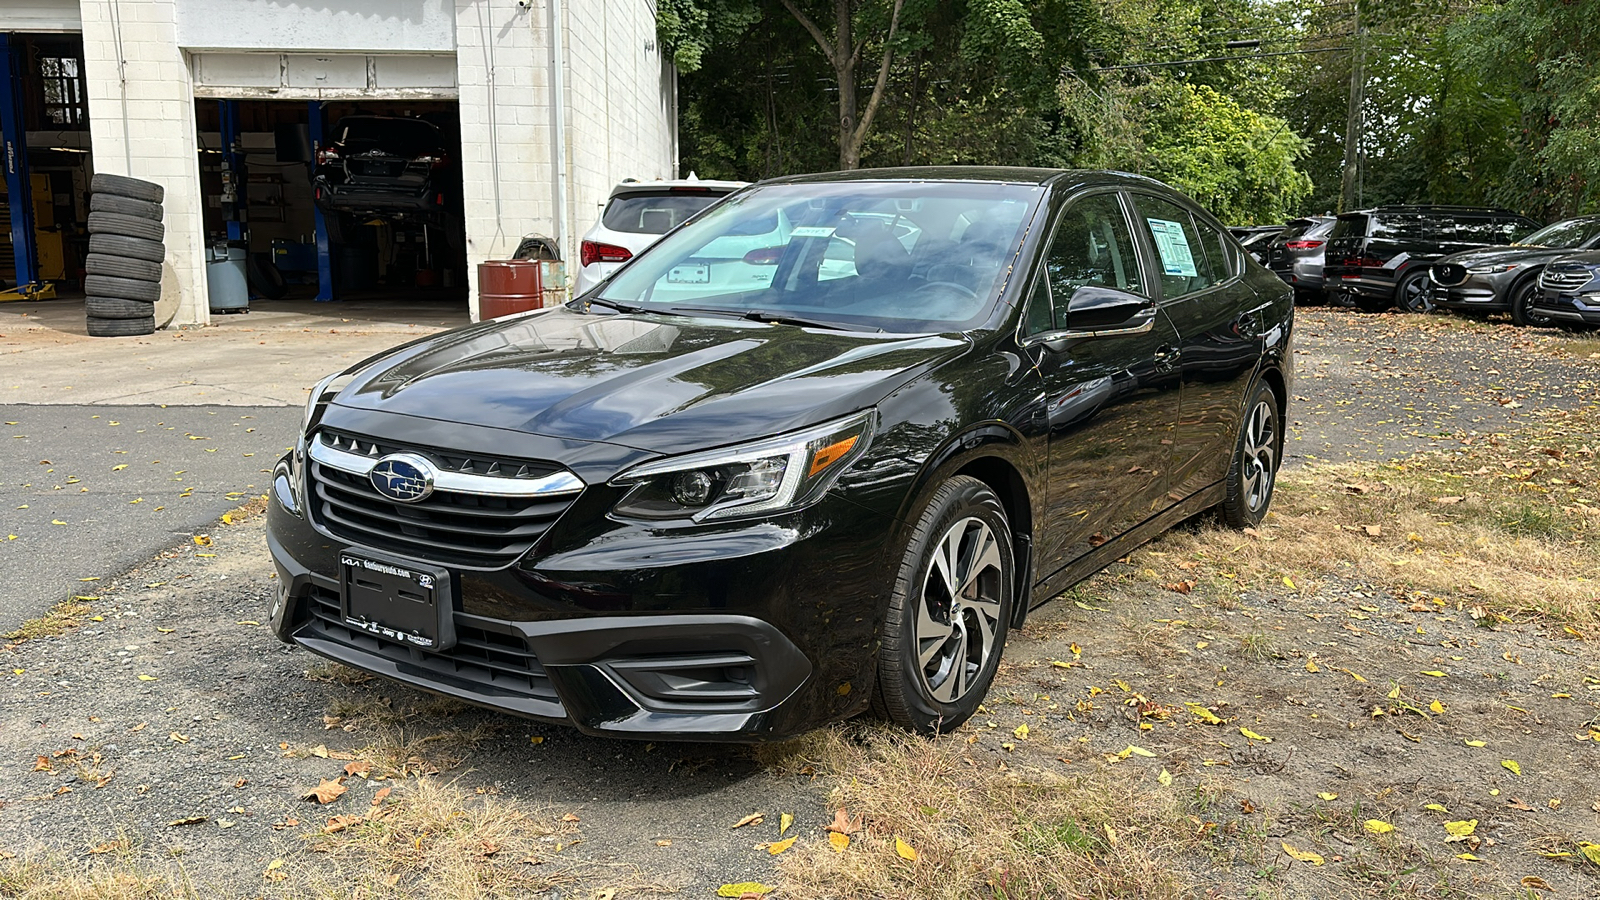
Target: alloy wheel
x=958, y=613
x=1413, y=296
x=1260, y=455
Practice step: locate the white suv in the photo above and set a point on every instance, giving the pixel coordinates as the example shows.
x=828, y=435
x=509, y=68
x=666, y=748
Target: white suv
x=636, y=216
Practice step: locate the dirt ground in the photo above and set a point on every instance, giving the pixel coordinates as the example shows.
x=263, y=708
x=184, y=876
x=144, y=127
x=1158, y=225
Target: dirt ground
x=1313, y=709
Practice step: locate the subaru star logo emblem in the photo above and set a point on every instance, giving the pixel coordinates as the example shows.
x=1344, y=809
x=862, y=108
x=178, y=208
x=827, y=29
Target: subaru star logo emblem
x=404, y=477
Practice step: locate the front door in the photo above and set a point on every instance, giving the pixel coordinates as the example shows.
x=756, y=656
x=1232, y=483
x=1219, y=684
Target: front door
x=1110, y=398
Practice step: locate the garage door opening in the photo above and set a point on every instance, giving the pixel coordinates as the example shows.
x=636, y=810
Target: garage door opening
x=353, y=201
x=44, y=130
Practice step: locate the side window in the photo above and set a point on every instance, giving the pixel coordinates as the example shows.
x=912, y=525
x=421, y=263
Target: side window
x=1185, y=268
x=1092, y=245
x=1224, y=261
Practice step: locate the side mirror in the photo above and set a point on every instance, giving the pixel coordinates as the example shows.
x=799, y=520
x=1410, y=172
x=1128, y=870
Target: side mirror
x=1096, y=308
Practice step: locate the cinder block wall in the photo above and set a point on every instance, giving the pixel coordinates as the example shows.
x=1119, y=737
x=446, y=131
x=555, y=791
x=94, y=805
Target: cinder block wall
x=141, y=120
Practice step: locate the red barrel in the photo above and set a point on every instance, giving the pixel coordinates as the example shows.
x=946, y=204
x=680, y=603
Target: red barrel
x=507, y=286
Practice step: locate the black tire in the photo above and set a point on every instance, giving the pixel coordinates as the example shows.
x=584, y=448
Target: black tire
x=121, y=327
x=124, y=288
x=264, y=277
x=1522, y=312
x=921, y=607
x=131, y=247
x=1411, y=293
x=128, y=226
x=122, y=267
x=1257, y=454
x=123, y=186
x=125, y=206
x=117, y=308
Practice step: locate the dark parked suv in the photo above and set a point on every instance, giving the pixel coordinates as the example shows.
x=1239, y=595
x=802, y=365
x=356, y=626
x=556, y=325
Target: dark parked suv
x=1569, y=292
x=1380, y=257
x=382, y=165
x=1507, y=278
x=812, y=453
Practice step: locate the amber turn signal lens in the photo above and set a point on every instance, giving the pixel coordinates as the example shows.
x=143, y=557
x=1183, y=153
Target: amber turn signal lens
x=830, y=454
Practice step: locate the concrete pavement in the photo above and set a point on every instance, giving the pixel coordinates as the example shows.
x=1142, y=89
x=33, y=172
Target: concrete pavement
x=114, y=448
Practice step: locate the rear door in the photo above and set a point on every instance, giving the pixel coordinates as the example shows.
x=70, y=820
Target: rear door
x=1218, y=320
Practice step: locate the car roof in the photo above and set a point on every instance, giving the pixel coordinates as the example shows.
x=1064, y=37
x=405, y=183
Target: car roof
x=1000, y=174
x=1432, y=208
x=664, y=184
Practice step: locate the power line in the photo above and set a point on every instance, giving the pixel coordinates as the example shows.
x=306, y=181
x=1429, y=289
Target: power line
x=1185, y=62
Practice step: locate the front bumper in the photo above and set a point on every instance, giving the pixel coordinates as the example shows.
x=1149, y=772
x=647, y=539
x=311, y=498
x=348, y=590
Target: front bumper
x=741, y=631
x=366, y=198
x=1577, y=309
x=1487, y=292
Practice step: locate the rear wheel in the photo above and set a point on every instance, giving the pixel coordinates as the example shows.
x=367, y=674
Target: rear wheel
x=1254, y=471
x=1522, y=312
x=946, y=624
x=1411, y=294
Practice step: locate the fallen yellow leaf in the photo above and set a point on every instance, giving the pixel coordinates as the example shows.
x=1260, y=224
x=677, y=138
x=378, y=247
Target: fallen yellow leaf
x=1288, y=582
x=1378, y=826
x=1205, y=715
x=1475, y=743
x=1590, y=851
x=1329, y=796
x=1136, y=750
x=1461, y=828
x=752, y=819
x=784, y=821
x=1021, y=731
x=1437, y=707
x=1435, y=807
x=777, y=847
x=1303, y=855
x=839, y=841
x=1311, y=666
x=1436, y=674
x=904, y=850
x=201, y=540
x=741, y=888
x=1165, y=778
x=1469, y=857
x=1512, y=766
x=1253, y=736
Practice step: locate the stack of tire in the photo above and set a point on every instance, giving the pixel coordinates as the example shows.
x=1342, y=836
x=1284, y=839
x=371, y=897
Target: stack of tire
x=125, y=256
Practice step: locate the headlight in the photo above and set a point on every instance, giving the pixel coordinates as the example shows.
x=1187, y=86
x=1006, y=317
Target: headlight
x=325, y=390
x=1491, y=270
x=762, y=477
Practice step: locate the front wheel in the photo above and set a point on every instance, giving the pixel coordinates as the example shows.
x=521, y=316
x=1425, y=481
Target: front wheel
x=1412, y=294
x=946, y=623
x=1522, y=311
x=1254, y=471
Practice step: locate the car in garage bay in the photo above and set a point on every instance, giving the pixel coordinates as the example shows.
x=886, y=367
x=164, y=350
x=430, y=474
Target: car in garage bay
x=743, y=510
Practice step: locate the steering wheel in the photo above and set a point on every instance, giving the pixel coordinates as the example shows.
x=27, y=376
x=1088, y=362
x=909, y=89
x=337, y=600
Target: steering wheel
x=955, y=286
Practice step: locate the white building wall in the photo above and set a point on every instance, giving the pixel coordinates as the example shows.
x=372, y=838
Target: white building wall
x=618, y=115
x=39, y=15
x=144, y=126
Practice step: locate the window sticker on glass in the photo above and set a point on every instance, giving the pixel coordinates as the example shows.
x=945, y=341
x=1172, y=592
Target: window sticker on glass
x=812, y=231
x=689, y=274
x=1173, y=247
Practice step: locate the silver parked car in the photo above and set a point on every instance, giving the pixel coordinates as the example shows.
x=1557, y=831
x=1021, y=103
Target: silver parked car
x=637, y=214
x=1296, y=256
x=1505, y=279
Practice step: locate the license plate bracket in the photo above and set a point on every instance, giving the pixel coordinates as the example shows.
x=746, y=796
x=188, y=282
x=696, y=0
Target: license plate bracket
x=397, y=599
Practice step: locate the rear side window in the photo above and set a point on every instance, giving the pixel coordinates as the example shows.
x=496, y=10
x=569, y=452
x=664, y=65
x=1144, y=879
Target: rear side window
x=1401, y=226
x=653, y=212
x=1180, y=254
x=1349, y=227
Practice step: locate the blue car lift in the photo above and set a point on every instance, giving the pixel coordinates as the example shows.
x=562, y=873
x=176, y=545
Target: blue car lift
x=19, y=190
x=324, y=254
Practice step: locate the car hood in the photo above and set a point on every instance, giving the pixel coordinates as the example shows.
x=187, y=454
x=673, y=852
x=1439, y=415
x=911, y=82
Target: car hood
x=1492, y=256
x=652, y=382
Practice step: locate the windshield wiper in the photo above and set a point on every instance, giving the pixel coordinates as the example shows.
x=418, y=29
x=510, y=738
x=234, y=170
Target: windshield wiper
x=613, y=304
x=777, y=318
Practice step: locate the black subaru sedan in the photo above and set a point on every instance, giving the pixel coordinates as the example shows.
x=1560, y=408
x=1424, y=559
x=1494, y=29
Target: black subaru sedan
x=812, y=454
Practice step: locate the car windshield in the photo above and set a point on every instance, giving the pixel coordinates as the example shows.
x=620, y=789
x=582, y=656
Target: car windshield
x=891, y=256
x=655, y=212
x=402, y=137
x=1571, y=233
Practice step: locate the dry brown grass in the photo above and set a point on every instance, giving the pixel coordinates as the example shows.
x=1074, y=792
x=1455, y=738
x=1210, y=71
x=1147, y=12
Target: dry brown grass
x=64, y=615
x=1510, y=524
x=434, y=839
x=1021, y=832
x=52, y=877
